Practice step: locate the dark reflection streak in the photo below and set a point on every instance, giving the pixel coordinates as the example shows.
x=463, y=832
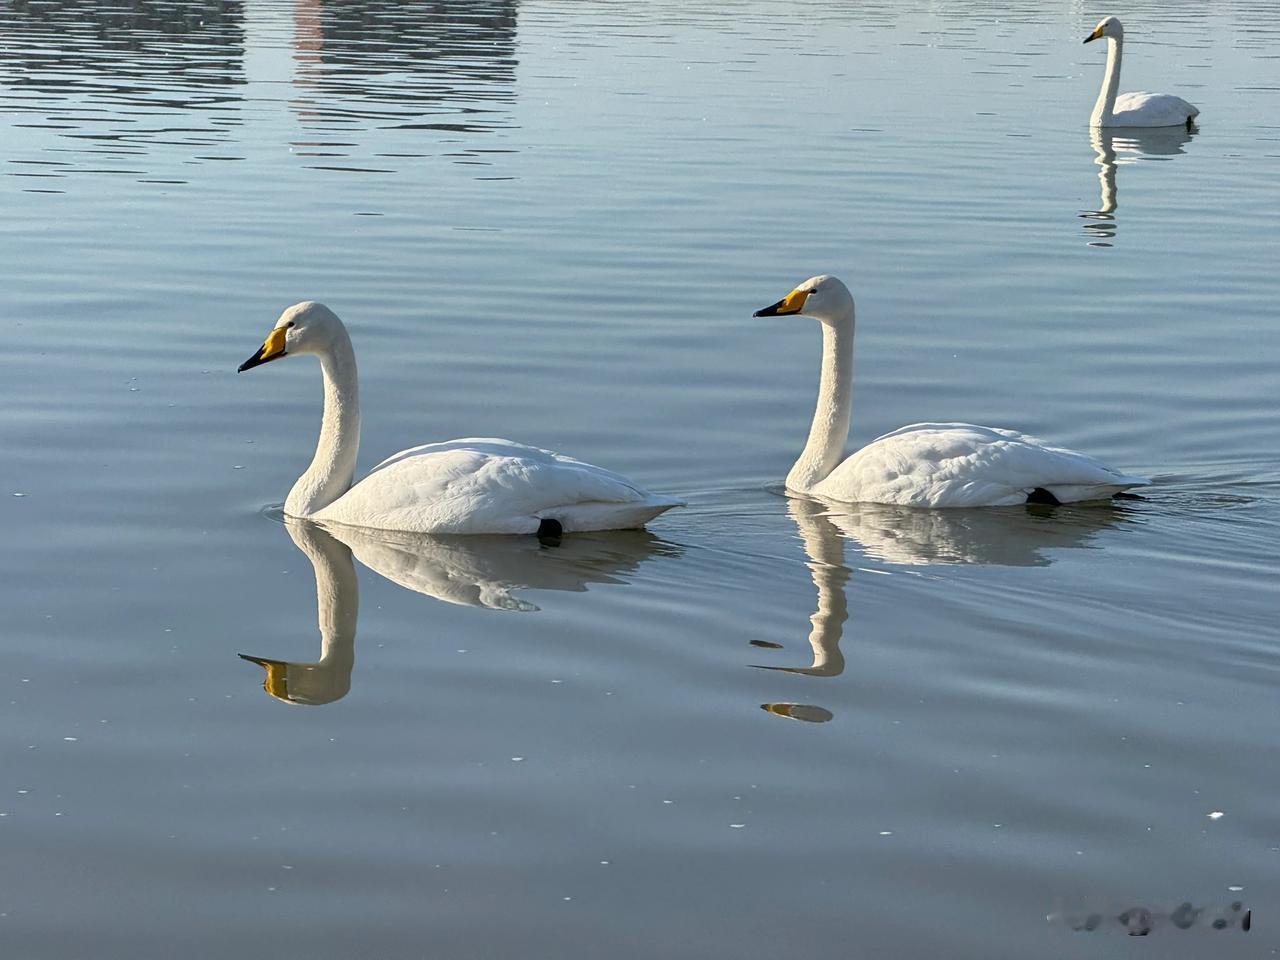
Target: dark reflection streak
x=64, y=58
x=405, y=67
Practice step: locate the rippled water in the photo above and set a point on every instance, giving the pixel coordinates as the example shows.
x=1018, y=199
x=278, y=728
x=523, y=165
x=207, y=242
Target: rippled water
x=759, y=729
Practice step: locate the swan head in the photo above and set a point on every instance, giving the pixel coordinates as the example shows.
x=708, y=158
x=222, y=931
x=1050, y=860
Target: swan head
x=824, y=297
x=1107, y=27
x=306, y=327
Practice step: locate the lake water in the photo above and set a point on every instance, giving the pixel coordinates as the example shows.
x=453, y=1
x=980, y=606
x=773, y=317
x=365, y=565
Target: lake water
x=552, y=221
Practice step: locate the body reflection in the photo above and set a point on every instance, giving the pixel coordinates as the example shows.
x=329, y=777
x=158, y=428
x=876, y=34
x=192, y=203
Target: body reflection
x=1116, y=147
x=1018, y=536
x=476, y=571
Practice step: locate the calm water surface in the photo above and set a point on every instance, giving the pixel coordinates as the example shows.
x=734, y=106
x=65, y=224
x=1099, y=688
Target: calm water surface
x=760, y=729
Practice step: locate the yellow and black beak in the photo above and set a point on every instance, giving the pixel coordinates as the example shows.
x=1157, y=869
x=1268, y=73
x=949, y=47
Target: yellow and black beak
x=276, y=681
x=1096, y=35
x=270, y=350
x=793, y=302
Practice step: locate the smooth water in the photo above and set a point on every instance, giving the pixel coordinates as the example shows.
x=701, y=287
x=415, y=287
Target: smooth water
x=552, y=221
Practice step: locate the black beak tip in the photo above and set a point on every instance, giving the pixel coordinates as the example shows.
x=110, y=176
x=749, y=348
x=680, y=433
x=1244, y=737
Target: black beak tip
x=257, y=360
x=770, y=311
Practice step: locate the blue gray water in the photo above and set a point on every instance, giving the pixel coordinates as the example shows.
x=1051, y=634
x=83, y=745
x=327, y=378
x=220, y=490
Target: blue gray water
x=758, y=730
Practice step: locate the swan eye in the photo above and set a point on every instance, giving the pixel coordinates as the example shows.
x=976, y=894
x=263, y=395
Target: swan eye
x=288, y=325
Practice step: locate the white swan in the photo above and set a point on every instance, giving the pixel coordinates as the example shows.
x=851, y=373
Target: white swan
x=925, y=464
x=1132, y=109
x=459, y=486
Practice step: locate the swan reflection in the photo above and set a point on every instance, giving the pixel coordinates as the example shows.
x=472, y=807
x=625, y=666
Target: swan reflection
x=474, y=571
x=909, y=536
x=1117, y=147
x=1012, y=537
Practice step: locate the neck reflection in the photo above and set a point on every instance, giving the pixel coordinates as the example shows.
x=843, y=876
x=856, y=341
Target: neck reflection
x=475, y=571
x=1114, y=147
x=911, y=536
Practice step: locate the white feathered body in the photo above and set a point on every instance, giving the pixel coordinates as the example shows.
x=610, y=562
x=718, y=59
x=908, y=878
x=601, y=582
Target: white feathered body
x=486, y=485
x=1150, y=110
x=963, y=465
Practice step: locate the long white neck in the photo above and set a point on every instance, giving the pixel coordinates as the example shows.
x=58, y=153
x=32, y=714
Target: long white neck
x=825, y=447
x=1105, y=107
x=334, y=465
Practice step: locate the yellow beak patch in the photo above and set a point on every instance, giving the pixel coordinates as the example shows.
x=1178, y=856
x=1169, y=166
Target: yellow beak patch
x=793, y=302
x=274, y=343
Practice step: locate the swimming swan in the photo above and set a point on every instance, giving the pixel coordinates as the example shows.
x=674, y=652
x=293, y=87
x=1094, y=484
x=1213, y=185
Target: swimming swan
x=1132, y=109
x=459, y=486
x=925, y=464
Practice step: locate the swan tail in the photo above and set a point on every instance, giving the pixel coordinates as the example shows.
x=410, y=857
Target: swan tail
x=598, y=515
x=1081, y=492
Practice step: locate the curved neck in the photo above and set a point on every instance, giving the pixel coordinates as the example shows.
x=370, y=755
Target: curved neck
x=334, y=463
x=1105, y=107
x=825, y=446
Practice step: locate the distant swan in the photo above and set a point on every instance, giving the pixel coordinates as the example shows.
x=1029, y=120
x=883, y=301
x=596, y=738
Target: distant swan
x=925, y=464
x=459, y=486
x=1132, y=109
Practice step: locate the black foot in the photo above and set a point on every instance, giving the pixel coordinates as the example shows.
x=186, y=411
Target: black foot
x=1041, y=495
x=1126, y=496
x=550, y=530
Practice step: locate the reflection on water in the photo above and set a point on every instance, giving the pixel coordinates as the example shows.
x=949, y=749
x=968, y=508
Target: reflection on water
x=911, y=536
x=1010, y=537
x=337, y=609
x=124, y=78
x=824, y=547
x=475, y=571
x=76, y=64
x=397, y=63
x=1114, y=147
